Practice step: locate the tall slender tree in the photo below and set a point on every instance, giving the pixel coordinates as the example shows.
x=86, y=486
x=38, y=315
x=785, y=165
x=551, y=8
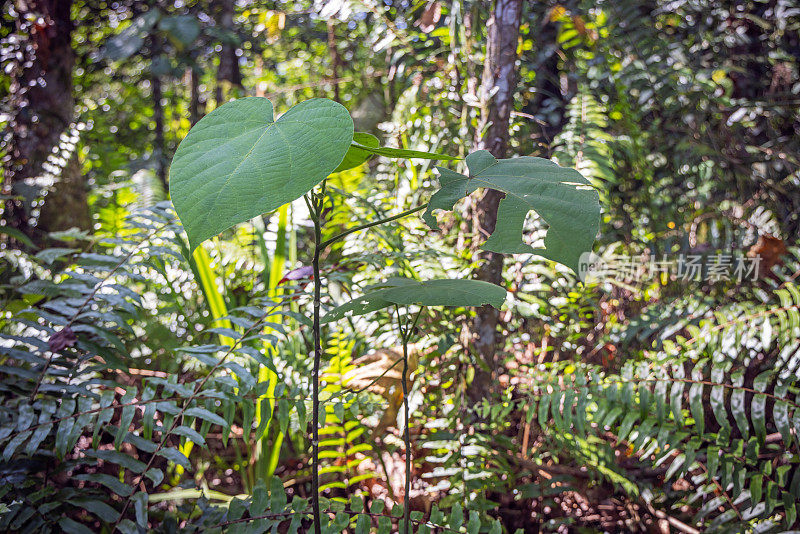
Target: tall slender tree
x=228, y=72
x=42, y=109
x=498, y=85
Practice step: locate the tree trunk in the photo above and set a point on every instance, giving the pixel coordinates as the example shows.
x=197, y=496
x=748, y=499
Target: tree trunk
x=66, y=204
x=548, y=94
x=335, y=59
x=228, y=70
x=196, y=108
x=498, y=86
x=42, y=104
x=159, y=147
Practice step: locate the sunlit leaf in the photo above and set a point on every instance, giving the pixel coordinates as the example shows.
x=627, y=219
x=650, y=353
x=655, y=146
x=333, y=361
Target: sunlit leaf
x=238, y=162
x=405, y=292
x=357, y=154
x=403, y=153
x=561, y=196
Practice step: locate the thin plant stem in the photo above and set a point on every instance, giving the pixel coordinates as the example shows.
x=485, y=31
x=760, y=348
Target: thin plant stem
x=315, y=204
x=407, y=439
x=316, y=214
x=404, y=335
x=374, y=223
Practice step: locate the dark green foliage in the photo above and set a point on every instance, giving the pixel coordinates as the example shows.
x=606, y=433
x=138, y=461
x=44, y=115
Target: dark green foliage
x=62, y=419
x=703, y=408
x=123, y=403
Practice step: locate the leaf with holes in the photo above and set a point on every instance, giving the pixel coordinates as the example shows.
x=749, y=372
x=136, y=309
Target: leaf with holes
x=238, y=162
x=562, y=197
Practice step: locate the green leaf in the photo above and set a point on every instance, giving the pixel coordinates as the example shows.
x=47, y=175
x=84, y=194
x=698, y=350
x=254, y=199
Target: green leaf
x=50, y=255
x=283, y=415
x=759, y=405
x=14, y=443
x=98, y=508
x=780, y=414
x=712, y=455
x=125, y=419
x=453, y=187
x=403, y=153
x=73, y=527
x=474, y=523
x=718, y=399
x=356, y=155
x=737, y=403
x=120, y=458
x=108, y=481
x=155, y=475
x=696, y=398
x=404, y=292
x=376, y=506
x=277, y=495
x=456, y=518
x=338, y=411
x=676, y=395
x=206, y=415
x=436, y=517
x=126, y=526
x=362, y=524
x=561, y=196
x=755, y=488
x=18, y=235
x=444, y=292
x=790, y=506
x=238, y=162
x=175, y=456
x=190, y=433
x=140, y=508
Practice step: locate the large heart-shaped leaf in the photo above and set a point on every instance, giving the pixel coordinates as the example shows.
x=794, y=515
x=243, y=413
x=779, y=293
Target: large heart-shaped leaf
x=405, y=292
x=238, y=162
x=561, y=196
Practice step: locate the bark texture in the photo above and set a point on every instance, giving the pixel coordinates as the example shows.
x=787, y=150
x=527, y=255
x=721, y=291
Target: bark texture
x=159, y=147
x=42, y=108
x=228, y=71
x=196, y=107
x=498, y=85
x=66, y=204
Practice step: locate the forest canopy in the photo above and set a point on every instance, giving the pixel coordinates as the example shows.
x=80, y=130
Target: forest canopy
x=371, y=266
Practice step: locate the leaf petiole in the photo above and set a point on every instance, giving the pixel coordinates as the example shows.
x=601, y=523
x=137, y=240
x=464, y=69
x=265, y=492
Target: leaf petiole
x=337, y=237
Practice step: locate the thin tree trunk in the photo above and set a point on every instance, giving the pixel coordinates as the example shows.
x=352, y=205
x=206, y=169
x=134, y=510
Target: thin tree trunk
x=548, y=92
x=228, y=70
x=196, y=108
x=159, y=148
x=42, y=105
x=498, y=85
x=335, y=60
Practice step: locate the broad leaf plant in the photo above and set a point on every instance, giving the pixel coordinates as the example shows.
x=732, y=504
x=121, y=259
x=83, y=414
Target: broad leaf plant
x=240, y=162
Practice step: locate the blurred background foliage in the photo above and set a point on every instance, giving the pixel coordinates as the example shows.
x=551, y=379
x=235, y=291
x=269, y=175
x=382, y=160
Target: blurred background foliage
x=146, y=387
